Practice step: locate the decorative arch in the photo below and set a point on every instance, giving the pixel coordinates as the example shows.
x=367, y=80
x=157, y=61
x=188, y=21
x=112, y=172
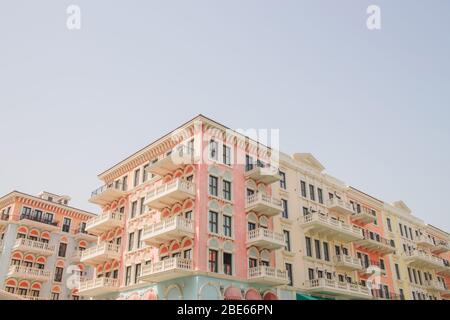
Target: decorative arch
x=36, y=286
x=110, y=235
x=163, y=250
x=24, y=284
x=227, y=175
x=64, y=239
x=17, y=255
x=250, y=184
x=22, y=230
x=41, y=260
x=107, y=267
x=174, y=246
x=134, y=296
x=251, y=217
x=227, y=209
x=150, y=295
x=56, y=289
x=99, y=269
x=263, y=221
x=115, y=264
x=34, y=233
x=252, y=252
x=261, y=188
x=214, y=170
x=29, y=258
x=11, y=282
x=186, y=243
x=118, y=232
x=188, y=169
x=188, y=204
x=214, y=205
x=214, y=243
x=178, y=174
x=265, y=255
x=232, y=293
x=228, y=246
x=122, y=202
x=269, y=295
x=82, y=244
x=165, y=213
x=60, y=263
x=81, y=266
x=210, y=291
x=252, y=294
x=45, y=235
x=176, y=208
x=167, y=178
x=173, y=292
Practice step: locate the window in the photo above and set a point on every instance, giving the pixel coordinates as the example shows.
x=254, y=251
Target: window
x=289, y=273
x=310, y=274
x=139, y=237
x=130, y=241
x=287, y=240
x=187, y=254
x=141, y=205
x=227, y=263
x=409, y=275
x=308, y=246
x=125, y=183
x=227, y=226
x=388, y=223
x=318, y=252
x=282, y=180
x=312, y=193
x=127, y=275
x=137, y=174
x=58, y=274
x=382, y=266
x=62, y=249
x=320, y=195
x=213, y=217
x=83, y=227
x=48, y=217
x=284, y=205
x=137, y=272
x=303, y=188
x=226, y=155
x=213, y=182
x=213, y=150
x=145, y=173
x=326, y=251
x=248, y=163
x=55, y=296
x=397, y=271
x=401, y=229
x=213, y=263
x=66, y=224
x=226, y=190
x=133, y=209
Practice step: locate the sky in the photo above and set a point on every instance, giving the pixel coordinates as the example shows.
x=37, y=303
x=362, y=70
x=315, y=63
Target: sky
x=372, y=106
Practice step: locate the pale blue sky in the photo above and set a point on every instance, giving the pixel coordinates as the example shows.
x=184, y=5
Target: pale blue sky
x=372, y=106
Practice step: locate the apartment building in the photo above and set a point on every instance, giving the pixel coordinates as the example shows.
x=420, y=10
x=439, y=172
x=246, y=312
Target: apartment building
x=208, y=213
x=41, y=240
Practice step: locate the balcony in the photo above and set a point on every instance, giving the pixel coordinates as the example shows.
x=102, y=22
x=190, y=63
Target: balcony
x=167, y=269
x=424, y=241
x=4, y=219
x=364, y=216
x=330, y=228
x=374, y=243
x=423, y=260
x=105, y=222
x=33, y=220
x=340, y=206
x=170, y=193
x=337, y=288
x=98, y=286
x=435, y=285
x=100, y=253
x=347, y=263
x=267, y=275
x=29, y=273
x=263, y=204
x=264, y=174
x=108, y=193
x=38, y=247
x=168, y=229
x=80, y=234
x=265, y=238
x=172, y=160
x=372, y=267
x=441, y=247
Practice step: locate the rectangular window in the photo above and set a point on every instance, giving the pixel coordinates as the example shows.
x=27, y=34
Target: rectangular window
x=318, y=252
x=62, y=249
x=125, y=183
x=58, y=274
x=303, y=188
x=66, y=224
x=320, y=195
x=388, y=223
x=289, y=273
x=287, y=240
x=310, y=274
x=284, y=205
x=326, y=251
x=227, y=190
x=137, y=272
x=282, y=180
x=213, y=182
x=401, y=229
x=227, y=226
x=409, y=275
x=137, y=174
x=133, y=209
x=382, y=266
x=308, y=246
x=130, y=241
x=226, y=155
x=213, y=222
x=312, y=193
x=397, y=271
x=227, y=263
x=305, y=211
x=213, y=261
x=141, y=205
x=55, y=296
x=213, y=150
x=127, y=275
x=139, y=237
x=145, y=173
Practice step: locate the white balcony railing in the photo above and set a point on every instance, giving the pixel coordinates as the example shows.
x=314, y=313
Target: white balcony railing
x=101, y=252
x=331, y=227
x=335, y=287
x=168, y=229
x=340, y=206
x=170, y=193
x=420, y=258
x=98, y=286
x=29, y=272
x=167, y=269
x=32, y=245
x=267, y=275
x=262, y=237
x=264, y=204
x=347, y=262
x=104, y=222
